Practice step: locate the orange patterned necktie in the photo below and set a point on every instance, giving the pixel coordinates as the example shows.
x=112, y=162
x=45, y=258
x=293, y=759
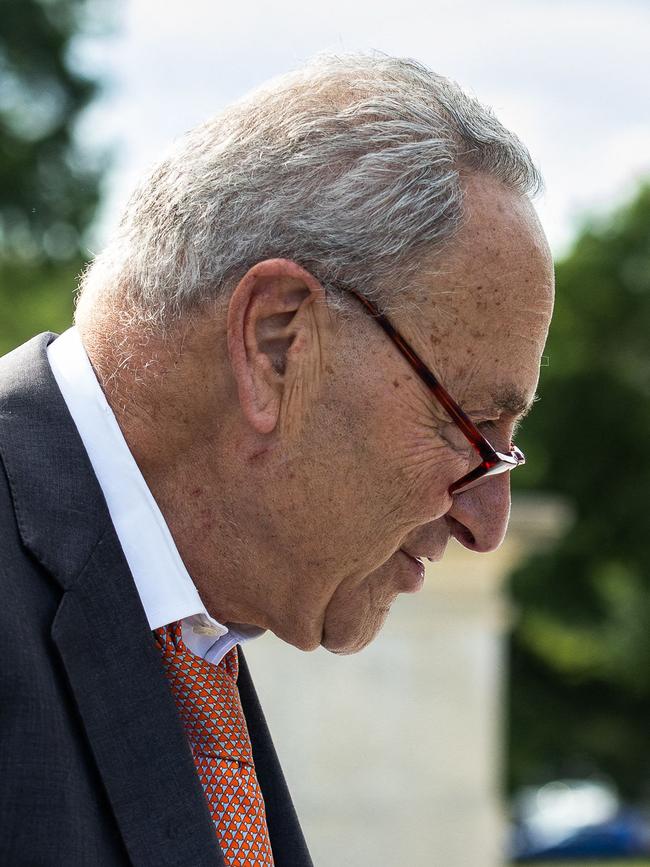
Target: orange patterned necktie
x=208, y=703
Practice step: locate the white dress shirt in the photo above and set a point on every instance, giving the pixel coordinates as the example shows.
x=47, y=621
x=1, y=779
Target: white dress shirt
x=166, y=590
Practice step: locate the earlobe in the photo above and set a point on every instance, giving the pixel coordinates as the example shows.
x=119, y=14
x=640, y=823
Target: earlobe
x=270, y=327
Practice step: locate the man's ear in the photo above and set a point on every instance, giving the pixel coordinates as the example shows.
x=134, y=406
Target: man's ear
x=274, y=337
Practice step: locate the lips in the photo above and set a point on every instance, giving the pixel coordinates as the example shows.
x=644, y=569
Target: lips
x=432, y=558
x=417, y=557
x=414, y=571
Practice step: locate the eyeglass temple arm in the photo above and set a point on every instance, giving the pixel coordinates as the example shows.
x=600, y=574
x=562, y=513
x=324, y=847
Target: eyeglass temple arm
x=484, y=449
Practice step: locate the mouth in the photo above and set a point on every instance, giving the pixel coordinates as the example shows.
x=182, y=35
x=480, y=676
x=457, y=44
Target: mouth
x=414, y=571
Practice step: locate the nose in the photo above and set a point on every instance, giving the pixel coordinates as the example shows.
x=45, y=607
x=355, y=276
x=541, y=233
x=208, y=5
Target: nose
x=478, y=518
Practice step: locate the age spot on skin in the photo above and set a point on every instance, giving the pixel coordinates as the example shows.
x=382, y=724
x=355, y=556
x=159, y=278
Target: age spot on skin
x=396, y=383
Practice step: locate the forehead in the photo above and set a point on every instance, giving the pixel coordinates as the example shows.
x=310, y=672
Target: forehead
x=488, y=301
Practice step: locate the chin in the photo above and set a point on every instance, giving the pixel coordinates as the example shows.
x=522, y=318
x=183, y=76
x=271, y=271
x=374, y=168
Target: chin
x=301, y=641
x=348, y=637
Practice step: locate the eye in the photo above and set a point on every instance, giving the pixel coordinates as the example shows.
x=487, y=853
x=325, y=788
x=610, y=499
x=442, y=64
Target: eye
x=452, y=435
x=500, y=433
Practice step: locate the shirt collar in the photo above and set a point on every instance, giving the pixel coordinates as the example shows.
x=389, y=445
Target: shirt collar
x=166, y=589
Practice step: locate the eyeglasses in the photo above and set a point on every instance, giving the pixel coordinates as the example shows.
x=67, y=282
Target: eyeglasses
x=492, y=462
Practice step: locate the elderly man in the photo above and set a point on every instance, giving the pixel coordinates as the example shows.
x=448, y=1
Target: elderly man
x=296, y=371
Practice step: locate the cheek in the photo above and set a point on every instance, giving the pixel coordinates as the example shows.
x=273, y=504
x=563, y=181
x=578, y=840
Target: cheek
x=421, y=463
x=409, y=485
x=388, y=463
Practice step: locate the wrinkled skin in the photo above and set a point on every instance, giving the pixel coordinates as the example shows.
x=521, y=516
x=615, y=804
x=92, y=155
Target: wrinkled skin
x=293, y=452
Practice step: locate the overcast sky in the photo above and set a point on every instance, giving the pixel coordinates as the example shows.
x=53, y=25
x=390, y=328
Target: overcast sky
x=571, y=77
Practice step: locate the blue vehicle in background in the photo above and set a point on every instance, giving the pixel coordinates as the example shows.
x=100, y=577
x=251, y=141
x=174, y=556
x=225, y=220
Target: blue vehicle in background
x=576, y=819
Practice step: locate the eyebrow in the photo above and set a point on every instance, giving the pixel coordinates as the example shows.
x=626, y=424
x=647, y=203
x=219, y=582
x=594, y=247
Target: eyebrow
x=513, y=402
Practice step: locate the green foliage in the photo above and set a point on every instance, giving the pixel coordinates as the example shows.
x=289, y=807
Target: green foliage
x=49, y=191
x=33, y=299
x=49, y=188
x=580, y=649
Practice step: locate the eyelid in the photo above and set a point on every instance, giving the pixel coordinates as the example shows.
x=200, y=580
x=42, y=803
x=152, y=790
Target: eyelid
x=512, y=425
x=491, y=428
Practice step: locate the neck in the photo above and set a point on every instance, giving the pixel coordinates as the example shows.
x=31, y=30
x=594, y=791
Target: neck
x=180, y=422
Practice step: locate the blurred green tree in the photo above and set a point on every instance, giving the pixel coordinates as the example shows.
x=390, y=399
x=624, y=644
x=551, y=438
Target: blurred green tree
x=579, y=697
x=49, y=188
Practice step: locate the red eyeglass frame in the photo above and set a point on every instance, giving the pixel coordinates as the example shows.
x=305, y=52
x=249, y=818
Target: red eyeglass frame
x=492, y=461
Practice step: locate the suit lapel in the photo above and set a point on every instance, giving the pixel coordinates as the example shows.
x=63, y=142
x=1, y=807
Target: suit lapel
x=101, y=632
x=130, y=717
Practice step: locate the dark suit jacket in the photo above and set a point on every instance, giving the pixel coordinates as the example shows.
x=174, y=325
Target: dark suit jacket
x=95, y=768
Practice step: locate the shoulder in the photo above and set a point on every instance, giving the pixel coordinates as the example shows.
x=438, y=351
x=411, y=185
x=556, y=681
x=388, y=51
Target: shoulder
x=19, y=366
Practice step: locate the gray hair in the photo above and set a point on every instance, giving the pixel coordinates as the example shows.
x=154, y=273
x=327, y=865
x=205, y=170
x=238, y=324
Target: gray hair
x=351, y=166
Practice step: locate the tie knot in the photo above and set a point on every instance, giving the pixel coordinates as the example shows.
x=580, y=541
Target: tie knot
x=170, y=641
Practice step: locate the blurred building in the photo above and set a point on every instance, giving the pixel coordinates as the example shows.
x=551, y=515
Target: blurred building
x=394, y=755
